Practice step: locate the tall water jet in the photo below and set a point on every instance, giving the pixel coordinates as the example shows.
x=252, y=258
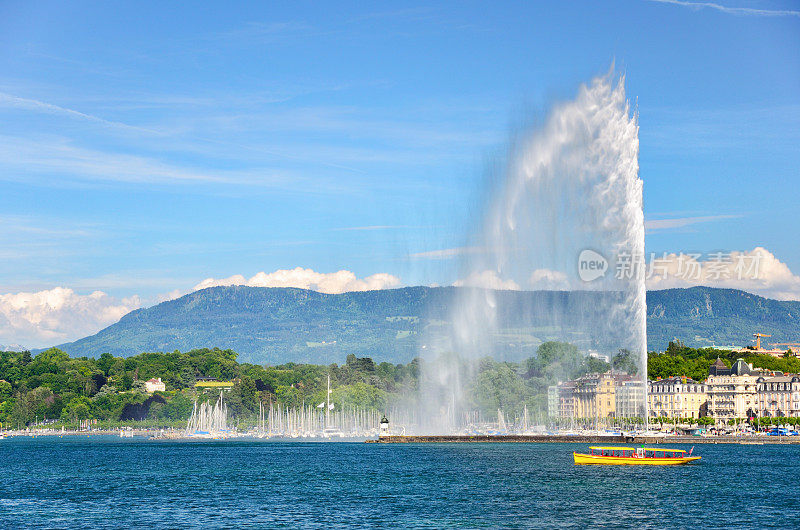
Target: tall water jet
x=565, y=215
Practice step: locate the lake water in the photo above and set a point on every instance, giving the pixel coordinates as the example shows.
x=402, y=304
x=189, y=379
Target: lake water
x=108, y=482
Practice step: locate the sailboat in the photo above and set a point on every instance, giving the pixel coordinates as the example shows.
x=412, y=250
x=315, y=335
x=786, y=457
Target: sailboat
x=329, y=431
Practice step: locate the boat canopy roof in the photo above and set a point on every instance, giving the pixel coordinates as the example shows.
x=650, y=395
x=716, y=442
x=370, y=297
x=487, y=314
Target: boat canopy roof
x=610, y=448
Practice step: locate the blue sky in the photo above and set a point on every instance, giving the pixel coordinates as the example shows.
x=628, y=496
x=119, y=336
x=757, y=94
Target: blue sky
x=145, y=147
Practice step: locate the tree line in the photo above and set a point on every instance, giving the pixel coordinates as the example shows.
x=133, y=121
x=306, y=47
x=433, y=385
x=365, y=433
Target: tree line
x=53, y=387
x=679, y=359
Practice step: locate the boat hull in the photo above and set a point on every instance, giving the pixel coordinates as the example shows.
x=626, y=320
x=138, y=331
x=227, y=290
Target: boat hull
x=581, y=458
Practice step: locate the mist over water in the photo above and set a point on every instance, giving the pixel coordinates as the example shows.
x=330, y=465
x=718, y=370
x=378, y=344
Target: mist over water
x=567, y=189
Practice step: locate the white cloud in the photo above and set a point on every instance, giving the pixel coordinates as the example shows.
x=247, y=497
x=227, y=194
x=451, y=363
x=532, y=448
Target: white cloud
x=57, y=315
x=756, y=271
x=733, y=10
x=331, y=283
x=172, y=295
x=447, y=253
x=487, y=279
x=10, y=101
x=681, y=222
x=53, y=316
x=368, y=228
x=549, y=280
x=47, y=157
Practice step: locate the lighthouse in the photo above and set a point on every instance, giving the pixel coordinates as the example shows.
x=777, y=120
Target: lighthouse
x=384, y=430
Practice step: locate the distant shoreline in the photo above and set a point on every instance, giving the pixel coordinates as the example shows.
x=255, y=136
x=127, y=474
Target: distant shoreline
x=556, y=438
x=158, y=434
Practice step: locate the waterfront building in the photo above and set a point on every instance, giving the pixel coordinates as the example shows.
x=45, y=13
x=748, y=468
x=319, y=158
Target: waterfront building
x=154, y=385
x=778, y=396
x=629, y=399
x=732, y=391
x=599, y=356
x=206, y=383
x=552, y=401
x=566, y=400
x=676, y=397
x=595, y=396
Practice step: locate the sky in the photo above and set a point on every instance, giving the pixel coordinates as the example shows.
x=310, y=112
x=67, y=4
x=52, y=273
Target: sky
x=151, y=148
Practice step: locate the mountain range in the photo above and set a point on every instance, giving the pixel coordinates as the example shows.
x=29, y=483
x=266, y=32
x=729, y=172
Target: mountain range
x=278, y=325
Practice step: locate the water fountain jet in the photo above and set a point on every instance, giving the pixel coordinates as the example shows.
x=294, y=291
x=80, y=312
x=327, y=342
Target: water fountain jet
x=568, y=191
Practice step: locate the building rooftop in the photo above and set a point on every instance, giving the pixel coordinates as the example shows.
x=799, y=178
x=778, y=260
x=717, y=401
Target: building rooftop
x=788, y=378
x=719, y=368
x=677, y=379
x=741, y=368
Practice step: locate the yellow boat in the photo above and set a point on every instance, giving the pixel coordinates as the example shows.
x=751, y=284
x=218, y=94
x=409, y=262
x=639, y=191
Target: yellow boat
x=634, y=456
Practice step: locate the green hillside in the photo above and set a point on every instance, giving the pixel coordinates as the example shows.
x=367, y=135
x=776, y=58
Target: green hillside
x=276, y=325
x=703, y=316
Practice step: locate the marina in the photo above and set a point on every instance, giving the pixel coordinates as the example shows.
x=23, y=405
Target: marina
x=589, y=438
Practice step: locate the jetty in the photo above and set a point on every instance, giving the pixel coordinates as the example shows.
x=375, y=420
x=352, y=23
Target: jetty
x=582, y=439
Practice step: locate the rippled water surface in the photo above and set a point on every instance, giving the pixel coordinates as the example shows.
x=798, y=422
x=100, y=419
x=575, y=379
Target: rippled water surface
x=111, y=482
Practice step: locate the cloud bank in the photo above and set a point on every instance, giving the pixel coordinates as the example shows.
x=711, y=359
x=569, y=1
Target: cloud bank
x=732, y=10
x=329, y=283
x=487, y=279
x=756, y=271
x=653, y=225
x=53, y=316
x=58, y=315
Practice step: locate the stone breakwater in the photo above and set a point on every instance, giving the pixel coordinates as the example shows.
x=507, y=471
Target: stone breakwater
x=519, y=438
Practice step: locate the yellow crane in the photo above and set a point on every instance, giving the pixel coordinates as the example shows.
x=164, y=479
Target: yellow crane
x=758, y=339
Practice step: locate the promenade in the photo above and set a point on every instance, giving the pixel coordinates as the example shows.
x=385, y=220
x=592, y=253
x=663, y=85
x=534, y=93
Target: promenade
x=650, y=440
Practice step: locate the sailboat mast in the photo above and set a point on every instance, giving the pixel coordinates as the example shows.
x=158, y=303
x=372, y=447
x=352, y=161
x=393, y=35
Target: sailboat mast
x=328, y=404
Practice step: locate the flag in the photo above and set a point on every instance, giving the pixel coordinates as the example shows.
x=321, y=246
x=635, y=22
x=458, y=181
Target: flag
x=690, y=451
x=321, y=405
x=330, y=406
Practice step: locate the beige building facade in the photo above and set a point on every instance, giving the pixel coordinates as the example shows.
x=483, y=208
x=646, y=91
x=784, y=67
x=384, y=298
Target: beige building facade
x=676, y=397
x=154, y=385
x=561, y=400
x=732, y=392
x=629, y=399
x=778, y=396
x=595, y=396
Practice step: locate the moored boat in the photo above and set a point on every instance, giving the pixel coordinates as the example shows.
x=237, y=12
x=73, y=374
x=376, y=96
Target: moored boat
x=634, y=456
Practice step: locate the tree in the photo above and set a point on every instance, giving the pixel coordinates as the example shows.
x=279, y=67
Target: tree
x=358, y=395
x=105, y=362
x=596, y=366
x=498, y=386
x=556, y=360
x=624, y=361
x=243, y=396
x=179, y=407
x=126, y=382
x=552, y=351
x=5, y=389
x=77, y=409
x=675, y=348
